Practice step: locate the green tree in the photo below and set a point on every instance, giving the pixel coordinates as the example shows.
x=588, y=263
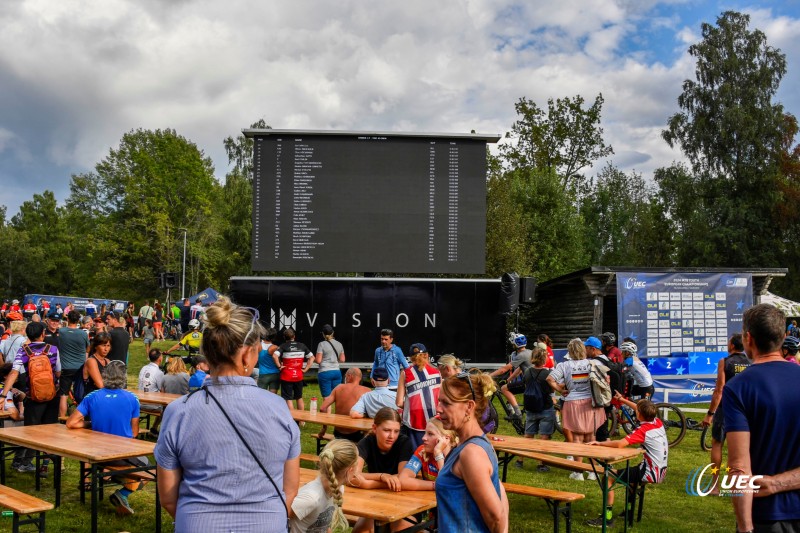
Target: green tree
x=137, y=199
x=730, y=130
x=565, y=139
x=624, y=224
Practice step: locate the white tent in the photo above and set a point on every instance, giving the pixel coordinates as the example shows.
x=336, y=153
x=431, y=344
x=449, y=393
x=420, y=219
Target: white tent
x=789, y=308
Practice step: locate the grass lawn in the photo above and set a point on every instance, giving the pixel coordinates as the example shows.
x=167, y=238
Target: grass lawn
x=667, y=506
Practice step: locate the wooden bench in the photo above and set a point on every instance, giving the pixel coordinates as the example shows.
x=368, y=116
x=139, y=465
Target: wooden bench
x=554, y=500
x=310, y=457
x=24, y=504
x=323, y=440
x=551, y=460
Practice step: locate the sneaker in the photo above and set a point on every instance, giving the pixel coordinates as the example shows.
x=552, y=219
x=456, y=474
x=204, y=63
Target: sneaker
x=591, y=476
x=598, y=522
x=569, y=458
x=576, y=476
x=26, y=468
x=519, y=464
x=542, y=468
x=121, y=503
x=42, y=471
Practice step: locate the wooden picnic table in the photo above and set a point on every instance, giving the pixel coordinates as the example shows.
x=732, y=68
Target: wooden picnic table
x=381, y=505
x=155, y=398
x=602, y=455
x=84, y=445
x=329, y=419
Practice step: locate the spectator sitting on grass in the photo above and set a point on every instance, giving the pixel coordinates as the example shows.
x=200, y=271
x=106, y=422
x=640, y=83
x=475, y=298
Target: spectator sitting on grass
x=653, y=468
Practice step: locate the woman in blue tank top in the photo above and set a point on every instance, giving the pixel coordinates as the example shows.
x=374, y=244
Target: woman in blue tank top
x=481, y=505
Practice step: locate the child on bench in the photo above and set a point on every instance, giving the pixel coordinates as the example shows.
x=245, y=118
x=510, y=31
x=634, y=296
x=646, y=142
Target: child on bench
x=653, y=468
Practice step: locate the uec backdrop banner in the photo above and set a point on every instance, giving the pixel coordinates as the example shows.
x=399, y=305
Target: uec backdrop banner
x=668, y=313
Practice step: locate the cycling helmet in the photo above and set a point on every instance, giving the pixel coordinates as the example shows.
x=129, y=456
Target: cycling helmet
x=519, y=340
x=629, y=347
x=608, y=338
x=194, y=323
x=791, y=344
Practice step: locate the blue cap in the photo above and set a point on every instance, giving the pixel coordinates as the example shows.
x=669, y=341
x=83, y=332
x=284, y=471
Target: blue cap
x=380, y=374
x=593, y=342
x=417, y=347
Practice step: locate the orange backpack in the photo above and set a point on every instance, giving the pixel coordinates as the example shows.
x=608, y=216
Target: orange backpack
x=40, y=375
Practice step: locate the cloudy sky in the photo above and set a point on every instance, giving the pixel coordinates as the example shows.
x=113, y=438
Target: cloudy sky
x=75, y=76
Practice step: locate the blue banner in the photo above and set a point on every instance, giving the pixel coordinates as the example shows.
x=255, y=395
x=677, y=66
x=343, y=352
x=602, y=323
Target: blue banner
x=680, y=313
x=704, y=388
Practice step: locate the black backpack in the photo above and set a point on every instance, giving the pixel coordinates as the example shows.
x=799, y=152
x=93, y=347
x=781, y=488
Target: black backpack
x=534, y=398
x=617, y=375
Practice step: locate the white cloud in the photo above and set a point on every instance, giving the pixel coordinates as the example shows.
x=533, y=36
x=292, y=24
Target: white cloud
x=79, y=75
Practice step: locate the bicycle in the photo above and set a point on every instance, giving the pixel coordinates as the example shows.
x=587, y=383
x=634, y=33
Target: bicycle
x=705, y=433
x=518, y=423
x=671, y=417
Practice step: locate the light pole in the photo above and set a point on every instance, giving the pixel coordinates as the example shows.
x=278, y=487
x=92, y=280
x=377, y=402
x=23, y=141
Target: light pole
x=183, y=272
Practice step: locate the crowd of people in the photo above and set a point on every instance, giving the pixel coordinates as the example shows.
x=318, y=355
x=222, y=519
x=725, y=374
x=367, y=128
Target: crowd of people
x=429, y=421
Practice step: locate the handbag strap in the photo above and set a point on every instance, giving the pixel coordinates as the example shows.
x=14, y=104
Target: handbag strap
x=335, y=353
x=249, y=449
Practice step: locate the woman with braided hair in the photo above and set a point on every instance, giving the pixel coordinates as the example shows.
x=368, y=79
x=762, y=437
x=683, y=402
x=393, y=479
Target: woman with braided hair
x=317, y=508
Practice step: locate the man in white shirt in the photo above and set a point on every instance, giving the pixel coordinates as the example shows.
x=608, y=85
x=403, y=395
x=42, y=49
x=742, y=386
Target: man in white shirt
x=151, y=379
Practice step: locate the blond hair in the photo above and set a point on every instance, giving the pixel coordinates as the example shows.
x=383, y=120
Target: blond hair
x=337, y=456
x=176, y=366
x=576, y=349
x=228, y=328
x=17, y=326
x=450, y=360
x=444, y=432
x=419, y=359
x=458, y=390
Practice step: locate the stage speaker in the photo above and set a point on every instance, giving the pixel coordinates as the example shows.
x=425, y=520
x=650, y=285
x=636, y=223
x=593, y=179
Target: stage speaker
x=527, y=290
x=509, y=292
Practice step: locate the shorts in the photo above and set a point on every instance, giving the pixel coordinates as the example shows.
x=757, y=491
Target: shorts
x=632, y=475
x=641, y=392
x=292, y=390
x=66, y=380
x=516, y=387
x=270, y=382
x=718, y=426
x=778, y=526
x=355, y=436
x=543, y=423
x=328, y=381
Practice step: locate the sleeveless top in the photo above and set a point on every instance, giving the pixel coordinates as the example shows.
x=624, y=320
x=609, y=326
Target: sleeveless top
x=457, y=511
x=734, y=364
x=90, y=386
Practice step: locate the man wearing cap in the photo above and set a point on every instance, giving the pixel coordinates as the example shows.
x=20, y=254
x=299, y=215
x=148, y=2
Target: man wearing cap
x=200, y=372
x=120, y=340
x=518, y=362
x=73, y=346
x=14, y=307
x=390, y=357
x=376, y=399
x=51, y=333
x=594, y=350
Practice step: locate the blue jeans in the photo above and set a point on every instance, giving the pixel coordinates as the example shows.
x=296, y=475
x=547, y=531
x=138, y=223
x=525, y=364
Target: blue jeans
x=328, y=380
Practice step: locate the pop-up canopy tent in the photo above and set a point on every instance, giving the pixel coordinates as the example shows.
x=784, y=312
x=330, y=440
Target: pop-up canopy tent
x=208, y=296
x=789, y=308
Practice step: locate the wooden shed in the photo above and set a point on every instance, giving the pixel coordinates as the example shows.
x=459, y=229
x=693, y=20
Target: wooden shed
x=584, y=303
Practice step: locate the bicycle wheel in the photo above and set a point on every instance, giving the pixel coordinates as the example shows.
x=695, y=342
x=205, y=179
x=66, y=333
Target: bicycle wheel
x=628, y=420
x=559, y=426
x=705, y=439
x=674, y=422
